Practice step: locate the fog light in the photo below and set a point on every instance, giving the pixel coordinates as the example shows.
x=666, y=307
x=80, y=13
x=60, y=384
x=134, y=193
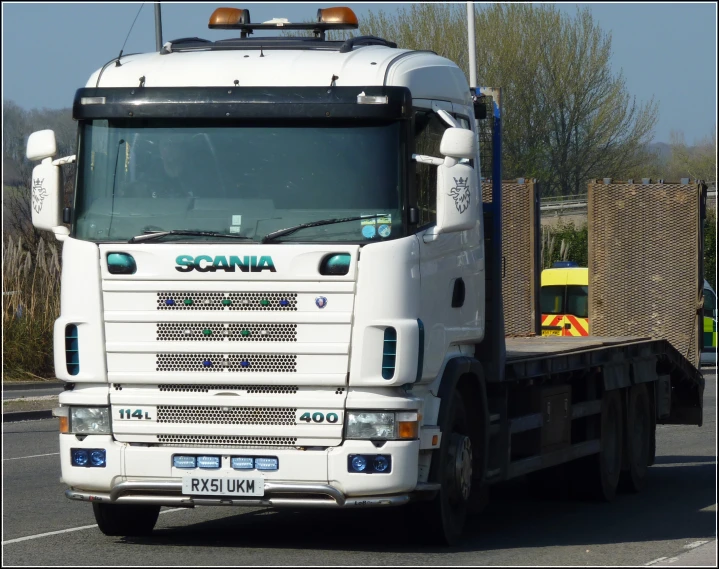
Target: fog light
x=208, y=461
x=79, y=457
x=242, y=462
x=359, y=463
x=267, y=463
x=97, y=458
x=380, y=463
x=184, y=462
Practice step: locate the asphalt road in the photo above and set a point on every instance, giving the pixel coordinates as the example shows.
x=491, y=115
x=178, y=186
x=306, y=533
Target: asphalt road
x=677, y=510
x=28, y=393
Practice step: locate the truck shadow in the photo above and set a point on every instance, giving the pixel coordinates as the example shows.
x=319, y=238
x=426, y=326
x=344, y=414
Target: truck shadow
x=672, y=506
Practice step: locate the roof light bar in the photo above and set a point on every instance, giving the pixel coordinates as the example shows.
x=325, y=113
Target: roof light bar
x=338, y=18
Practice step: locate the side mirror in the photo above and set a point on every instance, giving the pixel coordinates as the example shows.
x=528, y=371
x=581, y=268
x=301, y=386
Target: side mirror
x=41, y=145
x=457, y=196
x=47, y=197
x=458, y=143
x=46, y=183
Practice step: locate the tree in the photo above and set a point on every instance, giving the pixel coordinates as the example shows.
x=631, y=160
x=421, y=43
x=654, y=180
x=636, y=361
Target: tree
x=567, y=117
x=697, y=162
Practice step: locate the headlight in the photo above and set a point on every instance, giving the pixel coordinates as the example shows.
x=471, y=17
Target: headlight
x=384, y=425
x=90, y=420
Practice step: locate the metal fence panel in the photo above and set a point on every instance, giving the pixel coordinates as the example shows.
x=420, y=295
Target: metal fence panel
x=645, y=261
x=519, y=254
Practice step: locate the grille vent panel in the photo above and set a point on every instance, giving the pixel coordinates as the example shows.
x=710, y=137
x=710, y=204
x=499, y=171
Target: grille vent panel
x=218, y=332
x=262, y=301
x=250, y=389
x=217, y=363
x=176, y=414
x=225, y=440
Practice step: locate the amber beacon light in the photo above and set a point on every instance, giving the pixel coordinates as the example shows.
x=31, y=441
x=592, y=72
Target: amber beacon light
x=228, y=18
x=339, y=15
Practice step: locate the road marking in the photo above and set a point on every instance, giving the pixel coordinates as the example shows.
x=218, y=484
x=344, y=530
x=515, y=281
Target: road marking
x=694, y=544
x=656, y=561
x=32, y=456
x=47, y=534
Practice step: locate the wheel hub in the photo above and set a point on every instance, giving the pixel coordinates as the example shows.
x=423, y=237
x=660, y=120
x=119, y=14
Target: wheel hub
x=460, y=464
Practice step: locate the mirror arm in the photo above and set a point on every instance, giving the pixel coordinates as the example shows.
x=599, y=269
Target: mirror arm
x=61, y=232
x=449, y=119
x=428, y=160
x=64, y=160
x=432, y=234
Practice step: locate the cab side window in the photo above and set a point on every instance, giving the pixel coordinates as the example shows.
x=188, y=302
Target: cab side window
x=428, y=131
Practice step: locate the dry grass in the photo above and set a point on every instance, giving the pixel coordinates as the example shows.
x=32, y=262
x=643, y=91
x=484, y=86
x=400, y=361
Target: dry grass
x=31, y=303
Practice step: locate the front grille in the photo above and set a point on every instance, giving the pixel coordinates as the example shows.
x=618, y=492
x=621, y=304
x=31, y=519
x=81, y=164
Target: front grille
x=224, y=440
x=218, y=332
x=226, y=415
x=250, y=389
x=262, y=301
x=275, y=363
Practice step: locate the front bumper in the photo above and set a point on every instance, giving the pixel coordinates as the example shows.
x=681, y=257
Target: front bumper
x=313, y=478
x=277, y=494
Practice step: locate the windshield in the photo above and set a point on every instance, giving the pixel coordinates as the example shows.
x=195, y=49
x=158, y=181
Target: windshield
x=551, y=299
x=578, y=301
x=245, y=180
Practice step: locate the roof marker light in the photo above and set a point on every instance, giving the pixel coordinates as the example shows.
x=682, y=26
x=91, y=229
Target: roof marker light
x=363, y=99
x=92, y=100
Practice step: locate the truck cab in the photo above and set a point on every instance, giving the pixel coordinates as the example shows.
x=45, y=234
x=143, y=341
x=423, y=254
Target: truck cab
x=260, y=230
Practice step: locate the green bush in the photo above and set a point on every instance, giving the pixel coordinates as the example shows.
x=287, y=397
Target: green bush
x=565, y=242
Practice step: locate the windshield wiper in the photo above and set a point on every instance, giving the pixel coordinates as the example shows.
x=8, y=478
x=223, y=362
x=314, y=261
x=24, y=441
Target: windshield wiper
x=289, y=230
x=148, y=235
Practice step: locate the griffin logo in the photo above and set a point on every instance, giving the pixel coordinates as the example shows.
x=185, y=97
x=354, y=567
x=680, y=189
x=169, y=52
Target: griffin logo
x=39, y=193
x=460, y=193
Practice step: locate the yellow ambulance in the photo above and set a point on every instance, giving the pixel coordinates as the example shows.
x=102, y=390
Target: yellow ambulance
x=709, y=347
x=564, y=300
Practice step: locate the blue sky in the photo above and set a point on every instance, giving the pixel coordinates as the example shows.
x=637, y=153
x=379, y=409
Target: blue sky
x=665, y=50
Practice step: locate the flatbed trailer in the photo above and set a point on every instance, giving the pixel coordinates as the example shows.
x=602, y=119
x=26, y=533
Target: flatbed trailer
x=547, y=409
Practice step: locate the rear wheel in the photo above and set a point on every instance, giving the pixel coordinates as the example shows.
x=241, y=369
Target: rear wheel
x=442, y=519
x=125, y=519
x=597, y=476
x=638, y=439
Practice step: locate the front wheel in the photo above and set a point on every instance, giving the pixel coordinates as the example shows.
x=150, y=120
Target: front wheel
x=442, y=520
x=125, y=519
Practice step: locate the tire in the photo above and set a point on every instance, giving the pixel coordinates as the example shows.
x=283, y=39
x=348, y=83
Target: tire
x=125, y=519
x=442, y=519
x=597, y=476
x=638, y=439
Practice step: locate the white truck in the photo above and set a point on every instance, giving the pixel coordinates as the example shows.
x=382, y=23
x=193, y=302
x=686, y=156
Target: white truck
x=281, y=287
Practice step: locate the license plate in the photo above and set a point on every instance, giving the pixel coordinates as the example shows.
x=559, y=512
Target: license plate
x=551, y=332
x=222, y=486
